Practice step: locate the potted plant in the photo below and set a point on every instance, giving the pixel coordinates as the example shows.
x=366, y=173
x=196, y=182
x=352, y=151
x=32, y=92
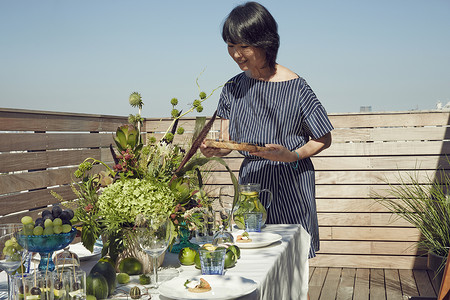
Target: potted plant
x=427, y=207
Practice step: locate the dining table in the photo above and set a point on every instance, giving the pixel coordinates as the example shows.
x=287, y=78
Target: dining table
x=274, y=267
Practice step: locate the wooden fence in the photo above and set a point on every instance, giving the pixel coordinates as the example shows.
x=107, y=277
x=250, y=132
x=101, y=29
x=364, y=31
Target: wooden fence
x=40, y=150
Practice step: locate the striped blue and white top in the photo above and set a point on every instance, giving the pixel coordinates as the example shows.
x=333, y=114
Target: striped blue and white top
x=286, y=113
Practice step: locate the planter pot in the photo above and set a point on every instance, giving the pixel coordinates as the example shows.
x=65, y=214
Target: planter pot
x=436, y=263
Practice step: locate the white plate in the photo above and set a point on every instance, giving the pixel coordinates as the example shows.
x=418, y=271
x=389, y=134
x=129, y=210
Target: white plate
x=259, y=239
x=82, y=252
x=222, y=287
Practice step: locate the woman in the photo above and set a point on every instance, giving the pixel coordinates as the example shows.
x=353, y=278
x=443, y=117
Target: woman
x=268, y=104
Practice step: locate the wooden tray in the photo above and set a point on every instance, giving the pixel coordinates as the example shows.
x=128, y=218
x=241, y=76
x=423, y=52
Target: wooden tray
x=234, y=145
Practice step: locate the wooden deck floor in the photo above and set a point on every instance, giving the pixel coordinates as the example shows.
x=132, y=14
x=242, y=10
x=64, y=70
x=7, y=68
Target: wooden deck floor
x=370, y=284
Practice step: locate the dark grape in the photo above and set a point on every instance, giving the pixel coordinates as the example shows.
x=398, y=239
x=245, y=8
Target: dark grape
x=71, y=213
x=66, y=222
x=48, y=216
x=46, y=212
x=56, y=211
x=58, y=284
x=39, y=222
x=65, y=215
x=35, y=291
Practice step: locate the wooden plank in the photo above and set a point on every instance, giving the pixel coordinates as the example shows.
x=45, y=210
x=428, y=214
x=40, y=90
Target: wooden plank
x=424, y=285
x=349, y=205
x=369, y=261
x=369, y=247
x=12, y=162
x=374, y=233
x=389, y=134
x=389, y=119
x=362, y=278
x=408, y=282
x=389, y=148
x=331, y=283
x=425, y=162
x=27, y=120
x=372, y=177
x=361, y=219
x=21, y=201
x=392, y=281
x=52, y=141
x=316, y=283
x=377, y=289
x=346, y=284
x=35, y=180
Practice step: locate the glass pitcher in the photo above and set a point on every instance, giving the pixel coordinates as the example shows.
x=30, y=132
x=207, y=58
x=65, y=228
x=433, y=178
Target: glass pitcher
x=249, y=202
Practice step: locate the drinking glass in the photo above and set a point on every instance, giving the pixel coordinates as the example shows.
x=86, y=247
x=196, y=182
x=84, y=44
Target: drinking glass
x=12, y=255
x=153, y=236
x=226, y=211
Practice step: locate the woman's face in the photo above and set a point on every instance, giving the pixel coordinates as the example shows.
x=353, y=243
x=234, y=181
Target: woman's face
x=247, y=57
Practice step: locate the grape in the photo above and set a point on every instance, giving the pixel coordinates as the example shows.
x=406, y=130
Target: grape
x=28, y=229
x=48, y=230
x=57, y=222
x=66, y=222
x=38, y=230
x=65, y=215
x=27, y=220
x=39, y=222
x=71, y=213
x=8, y=251
x=56, y=211
x=48, y=223
x=66, y=228
x=57, y=229
x=46, y=213
x=35, y=291
x=9, y=243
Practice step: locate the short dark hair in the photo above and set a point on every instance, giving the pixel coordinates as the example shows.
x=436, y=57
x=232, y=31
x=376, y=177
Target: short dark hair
x=252, y=24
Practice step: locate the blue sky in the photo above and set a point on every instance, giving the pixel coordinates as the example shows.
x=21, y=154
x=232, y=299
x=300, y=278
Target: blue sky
x=87, y=56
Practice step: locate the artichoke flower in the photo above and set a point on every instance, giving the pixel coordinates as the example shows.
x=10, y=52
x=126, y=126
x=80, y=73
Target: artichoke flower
x=136, y=100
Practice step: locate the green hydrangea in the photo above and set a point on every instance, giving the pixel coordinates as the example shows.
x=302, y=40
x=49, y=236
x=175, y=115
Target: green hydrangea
x=123, y=200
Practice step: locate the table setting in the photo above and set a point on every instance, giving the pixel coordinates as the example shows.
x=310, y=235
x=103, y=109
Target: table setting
x=136, y=221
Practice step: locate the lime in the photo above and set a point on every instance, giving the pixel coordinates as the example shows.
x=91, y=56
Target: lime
x=123, y=278
x=253, y=193
x=131, y=266
x=236, y=251
x=197, y=261
x=230, y=259
x=144, y=279
x=187, y=256
x=209, y=247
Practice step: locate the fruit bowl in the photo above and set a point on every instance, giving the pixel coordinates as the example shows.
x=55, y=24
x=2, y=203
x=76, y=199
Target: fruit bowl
x=45, y=245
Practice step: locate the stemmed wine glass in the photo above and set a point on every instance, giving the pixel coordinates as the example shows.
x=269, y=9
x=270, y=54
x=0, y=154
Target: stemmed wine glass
x=153, y=236
x=12, y=254
x=227, y=209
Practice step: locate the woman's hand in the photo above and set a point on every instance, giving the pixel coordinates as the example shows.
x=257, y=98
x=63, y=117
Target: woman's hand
x=276, y=152
x=212, y=151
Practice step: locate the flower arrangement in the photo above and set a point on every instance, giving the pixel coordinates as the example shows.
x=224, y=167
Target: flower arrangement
x=156, y=179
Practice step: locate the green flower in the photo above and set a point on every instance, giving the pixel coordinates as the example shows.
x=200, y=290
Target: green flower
x=175, y=113
x=180, y=130
x=174, y=101
x=199, y=108
x=136, y=100
x=123, y=200
x=196, y=103
x=202, y=95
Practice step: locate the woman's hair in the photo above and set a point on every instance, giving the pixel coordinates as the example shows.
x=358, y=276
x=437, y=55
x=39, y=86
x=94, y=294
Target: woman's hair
x=253, y=25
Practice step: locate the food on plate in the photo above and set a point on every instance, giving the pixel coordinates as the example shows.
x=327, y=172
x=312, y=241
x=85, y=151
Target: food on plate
x=201, y=286
x=243, y=238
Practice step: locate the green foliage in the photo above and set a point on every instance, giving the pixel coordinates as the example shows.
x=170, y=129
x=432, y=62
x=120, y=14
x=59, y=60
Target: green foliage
x=424, y=205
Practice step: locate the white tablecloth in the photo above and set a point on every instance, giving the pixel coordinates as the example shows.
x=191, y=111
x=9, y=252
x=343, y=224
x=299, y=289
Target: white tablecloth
x=280, y=270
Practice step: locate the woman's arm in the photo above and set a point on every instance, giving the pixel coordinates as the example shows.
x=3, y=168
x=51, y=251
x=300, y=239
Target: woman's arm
x=311, y=148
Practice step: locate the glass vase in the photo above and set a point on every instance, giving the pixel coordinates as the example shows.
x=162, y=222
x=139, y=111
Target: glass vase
x=184, y=236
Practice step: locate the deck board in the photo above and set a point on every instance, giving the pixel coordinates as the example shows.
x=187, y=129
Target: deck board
x=370, y=284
